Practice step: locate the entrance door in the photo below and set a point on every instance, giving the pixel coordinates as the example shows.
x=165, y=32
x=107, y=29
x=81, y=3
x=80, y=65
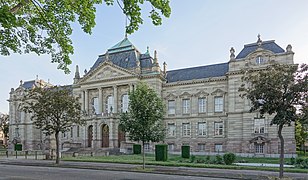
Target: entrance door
x=90, y=135
x=105, y=136
x=121, y=136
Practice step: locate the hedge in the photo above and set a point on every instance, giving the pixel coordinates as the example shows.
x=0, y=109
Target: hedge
x=161, y=152
x=137, y=149
x=185, y=151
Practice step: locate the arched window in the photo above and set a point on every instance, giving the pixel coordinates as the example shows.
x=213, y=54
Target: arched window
x=124, y=105
x=110, y=104
x=259, y=60
x=95, y=105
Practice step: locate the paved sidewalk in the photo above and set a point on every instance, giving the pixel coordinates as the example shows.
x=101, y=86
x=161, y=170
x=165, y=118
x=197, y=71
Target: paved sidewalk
x=201, y=172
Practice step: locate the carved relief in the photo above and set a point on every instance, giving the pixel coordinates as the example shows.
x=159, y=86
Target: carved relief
x=107, y=73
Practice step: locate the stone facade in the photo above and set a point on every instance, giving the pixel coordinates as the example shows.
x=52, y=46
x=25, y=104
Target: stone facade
x=204, y=109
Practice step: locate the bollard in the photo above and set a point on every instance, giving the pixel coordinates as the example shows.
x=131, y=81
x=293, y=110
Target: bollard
x=26, y=154
x=16, y=154
x=35, y=152
x=7, y=153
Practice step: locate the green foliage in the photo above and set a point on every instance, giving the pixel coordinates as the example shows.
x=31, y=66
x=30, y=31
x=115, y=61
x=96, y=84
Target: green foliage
x=4, y=124
x=229, y=158
x=44, y=27
x=53, y=110
x=192, y=158
x=161, y=152
x=218, y=159
x=299, y=162
x=136, y=149
x=301, y=134
x=144, y=119
x=185, y=151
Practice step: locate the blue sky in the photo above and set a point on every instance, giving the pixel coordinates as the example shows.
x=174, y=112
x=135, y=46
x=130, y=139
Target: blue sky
x=199, y=32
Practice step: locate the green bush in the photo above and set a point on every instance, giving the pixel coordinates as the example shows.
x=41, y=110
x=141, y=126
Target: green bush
x=208, y=159
x=185, y=151
x=18, y=147
x=218, y=159
x=192, y=158
x=137, y=149
x=301, y=163
x=229, y=158
x=161, y=152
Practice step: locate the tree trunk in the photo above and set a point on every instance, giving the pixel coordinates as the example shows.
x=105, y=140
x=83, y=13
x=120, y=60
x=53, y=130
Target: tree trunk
x=143, y=155
x=281, y=151
x=57, y=148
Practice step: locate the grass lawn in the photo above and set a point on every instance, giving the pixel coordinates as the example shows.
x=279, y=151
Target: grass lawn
x=176, y=160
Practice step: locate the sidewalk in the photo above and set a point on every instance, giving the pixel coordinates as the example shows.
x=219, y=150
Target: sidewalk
x=201, y=172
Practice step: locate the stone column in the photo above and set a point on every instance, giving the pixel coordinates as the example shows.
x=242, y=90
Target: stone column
x=100, y=100
x=111, y=135
x=115, y=98
x=86, y=103
x=82, y=101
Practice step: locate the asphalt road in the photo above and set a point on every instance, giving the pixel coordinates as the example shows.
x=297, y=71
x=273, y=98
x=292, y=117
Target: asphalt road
x=13, y=172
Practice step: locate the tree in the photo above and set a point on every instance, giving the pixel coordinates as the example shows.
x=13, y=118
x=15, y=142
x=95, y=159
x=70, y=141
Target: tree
x=44, y=27
x=278, y=90
x=4, y=126
x=53, y=110
x=144, y=119
x=301, y=135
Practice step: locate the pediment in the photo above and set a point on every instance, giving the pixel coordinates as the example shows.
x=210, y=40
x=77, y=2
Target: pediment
x=170, y=96
x=106, y=71
x=259, y=140
x=218, y=92
x=201, y=94
x=185, y=95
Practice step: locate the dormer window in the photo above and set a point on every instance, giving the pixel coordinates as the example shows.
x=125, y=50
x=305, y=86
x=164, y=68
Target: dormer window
x=259, y=60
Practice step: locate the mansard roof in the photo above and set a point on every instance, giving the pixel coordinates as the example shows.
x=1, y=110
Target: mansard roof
x=199, y=72
x=28, y=84
x=268, y=45
x=125, y=55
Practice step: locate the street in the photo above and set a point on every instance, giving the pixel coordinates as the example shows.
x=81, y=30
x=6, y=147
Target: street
x=13, y=172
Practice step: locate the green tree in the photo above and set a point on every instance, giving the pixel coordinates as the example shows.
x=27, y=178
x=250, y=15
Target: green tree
x=301, y=134
x=144, y=119
x=44, y=27
x=4, y=126
x=277, y=90
x=53, y=110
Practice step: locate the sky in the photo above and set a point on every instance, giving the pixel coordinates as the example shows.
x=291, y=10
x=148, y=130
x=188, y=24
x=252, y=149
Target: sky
x=198, y=32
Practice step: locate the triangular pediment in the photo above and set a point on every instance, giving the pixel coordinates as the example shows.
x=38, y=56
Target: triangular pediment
x=106, y=71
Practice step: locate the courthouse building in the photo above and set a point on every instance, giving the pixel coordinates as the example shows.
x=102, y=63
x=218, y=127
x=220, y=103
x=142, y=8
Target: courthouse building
x=203, y=106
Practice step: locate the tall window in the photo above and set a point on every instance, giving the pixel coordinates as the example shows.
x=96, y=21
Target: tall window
x=171, y=147
x=201, y=128
x=218, y=104
x=16, y=132
x=259, y=126
x=124, y=104
x=186, y=129
x=78, y=131
x=186, y=106
x=95, y=105
x=171, y=129
x=259, y=60
x=146, y=146
x=201, y=147
x=219, y=128
x=202, y=105
x=110, y=104
x=171, y=107
x=218, y=147
x=259, y=148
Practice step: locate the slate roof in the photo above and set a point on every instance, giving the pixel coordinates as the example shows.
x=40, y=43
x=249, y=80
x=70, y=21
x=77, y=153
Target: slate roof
x=268, y=45
x=123, y=45
x=28, y=84
x=199, y=72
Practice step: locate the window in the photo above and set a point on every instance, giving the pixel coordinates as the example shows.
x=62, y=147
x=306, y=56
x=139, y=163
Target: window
x=72, y=133
x=201, y=128
x=124, y=105
x=218, y=147
x=218, y=104
x=201, y=147
x=259, y=126
x=186, y=129
x=171, y=107
x=186, y=106
x=171, y=129
x=170, y=147
x=146, y=146
x=95, y=105
x=109, y=105
x=259, y=148
x=202, y=105
x=16, y=132
x=219, y=127
x=259, y=60
x=78, y=131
